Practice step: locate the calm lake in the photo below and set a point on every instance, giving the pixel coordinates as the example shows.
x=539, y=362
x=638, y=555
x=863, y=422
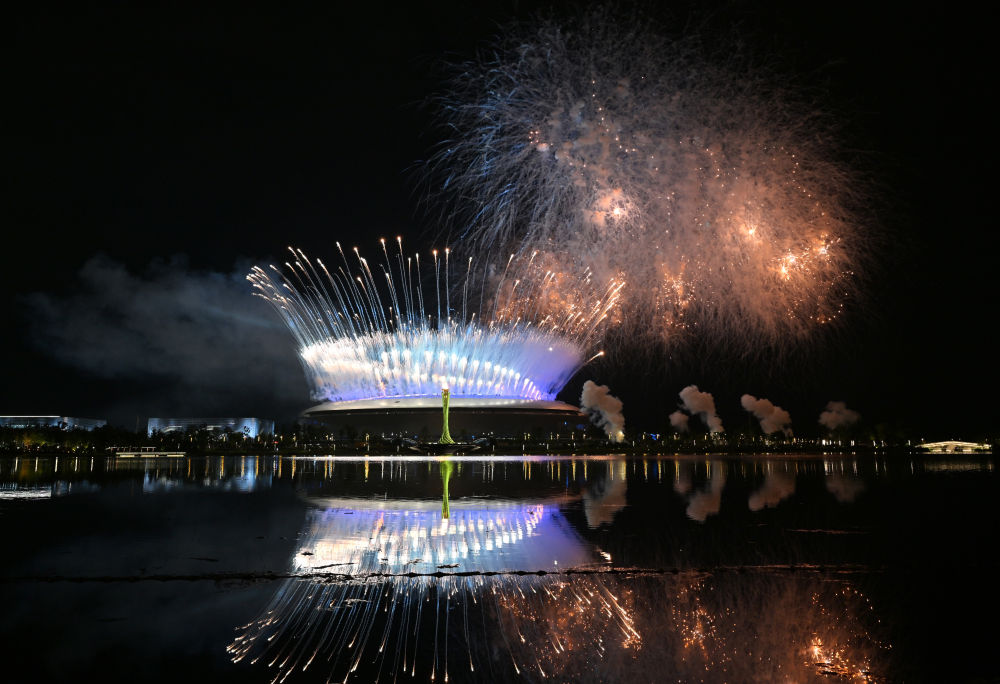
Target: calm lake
x=597, y=568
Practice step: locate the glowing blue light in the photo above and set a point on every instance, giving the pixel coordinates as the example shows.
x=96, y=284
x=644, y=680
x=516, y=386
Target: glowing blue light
x=353, y=345
x=362, y=537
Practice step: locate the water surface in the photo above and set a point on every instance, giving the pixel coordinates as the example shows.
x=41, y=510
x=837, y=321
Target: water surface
x=790, y=568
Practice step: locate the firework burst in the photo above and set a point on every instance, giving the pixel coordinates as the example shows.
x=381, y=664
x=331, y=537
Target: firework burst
x=716, y=194
x=365, y=332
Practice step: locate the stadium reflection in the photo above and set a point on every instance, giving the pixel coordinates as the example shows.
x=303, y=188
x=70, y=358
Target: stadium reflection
x=490, y=588
x=503, y=568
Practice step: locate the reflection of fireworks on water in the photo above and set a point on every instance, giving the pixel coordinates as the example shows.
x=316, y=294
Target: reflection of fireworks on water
x=565, y=626
x=494, y=590
x=522, y=331
x=777, y=487
x=831, y=654
x=374, y=616
x=708, y=501
x=715, y=192
x=543, y=625
x=772, y=628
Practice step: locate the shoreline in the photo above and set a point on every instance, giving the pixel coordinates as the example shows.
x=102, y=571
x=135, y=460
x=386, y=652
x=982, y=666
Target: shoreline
x=509, y=449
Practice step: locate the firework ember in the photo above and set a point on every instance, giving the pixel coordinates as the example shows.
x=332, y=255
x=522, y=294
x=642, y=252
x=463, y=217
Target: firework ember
x=716, y=194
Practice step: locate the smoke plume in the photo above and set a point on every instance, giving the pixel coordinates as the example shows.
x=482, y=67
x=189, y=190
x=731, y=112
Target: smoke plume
x=708, y=501
x=702, y=404
x=605, y=496
x=772, y=418
x=837, y=415
x=777, y=487
x=679, y=421
x=604, y=410
x=175, y=341
x=844, y=487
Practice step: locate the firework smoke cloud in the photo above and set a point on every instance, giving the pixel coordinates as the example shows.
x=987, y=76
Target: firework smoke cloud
x=679, y=421
x=195, y=335
x=772, y=418
x=717, y=194
x=709, y=500
x=844, y=487
x=777, y=487
x=604, y=409
x=701, y=404
x=605, y=497
x=837, y=415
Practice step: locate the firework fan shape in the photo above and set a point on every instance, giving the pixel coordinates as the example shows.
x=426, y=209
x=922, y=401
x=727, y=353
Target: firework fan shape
x=364, y=590
x=717, y=195
x=367, y=332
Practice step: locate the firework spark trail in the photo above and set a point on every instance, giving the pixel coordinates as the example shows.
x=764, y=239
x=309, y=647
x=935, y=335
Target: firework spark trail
x=718, y=195
x=360, y=621
x=542, y=322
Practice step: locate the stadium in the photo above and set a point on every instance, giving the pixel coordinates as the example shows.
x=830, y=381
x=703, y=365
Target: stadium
x=379, y=355
x=469, y=417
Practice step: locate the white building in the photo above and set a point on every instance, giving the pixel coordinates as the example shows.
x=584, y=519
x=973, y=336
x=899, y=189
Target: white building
x=61, y=422
x=250, y=427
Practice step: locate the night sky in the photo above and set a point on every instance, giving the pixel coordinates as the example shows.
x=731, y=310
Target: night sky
x=153, y=157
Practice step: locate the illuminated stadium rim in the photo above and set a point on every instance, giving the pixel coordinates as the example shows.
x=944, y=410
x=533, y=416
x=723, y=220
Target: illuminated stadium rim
x=434, y=403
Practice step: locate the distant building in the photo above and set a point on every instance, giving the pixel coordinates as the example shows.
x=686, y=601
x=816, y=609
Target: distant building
x=61, y=422
x=954, y=447
x=251, y=427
